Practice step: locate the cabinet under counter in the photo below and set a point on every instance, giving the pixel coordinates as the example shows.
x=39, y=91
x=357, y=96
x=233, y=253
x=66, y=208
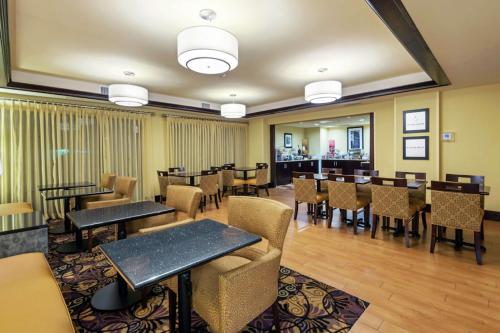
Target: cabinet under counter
x=284, y=169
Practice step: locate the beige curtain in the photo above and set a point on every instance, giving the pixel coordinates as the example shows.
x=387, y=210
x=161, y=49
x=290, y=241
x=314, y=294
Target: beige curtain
x=44, y=143
x=199, y=144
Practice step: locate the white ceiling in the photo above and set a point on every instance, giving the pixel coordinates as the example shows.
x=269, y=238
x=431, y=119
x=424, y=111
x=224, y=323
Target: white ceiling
x=282, y=43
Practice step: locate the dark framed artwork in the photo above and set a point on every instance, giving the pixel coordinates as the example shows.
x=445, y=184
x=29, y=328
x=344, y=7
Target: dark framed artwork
x=416, y=121
x=355, y=138
x=416, y=148
x=287, y=140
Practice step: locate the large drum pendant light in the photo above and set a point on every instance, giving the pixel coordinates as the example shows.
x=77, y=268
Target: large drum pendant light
x=233, y=110
x=125, y=94
x=207, y=49
x=320, y=92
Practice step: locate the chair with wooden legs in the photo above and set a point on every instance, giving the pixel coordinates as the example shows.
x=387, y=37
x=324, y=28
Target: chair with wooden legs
x=365, y=189
x=473, y=179
x=163, y=182
x=305, y=192
x=108, y=180
x=457, y=205
x=335, y=171
x=229, y=181
x=219, y=181
x=419, y=196
x=260, y=180
x=208, y=184
x=173, y=180
x=391, y=198
x=343, y=194
x=231, y=291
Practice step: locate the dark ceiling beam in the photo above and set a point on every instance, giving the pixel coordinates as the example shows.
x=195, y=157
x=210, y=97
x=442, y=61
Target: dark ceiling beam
x=395, y=16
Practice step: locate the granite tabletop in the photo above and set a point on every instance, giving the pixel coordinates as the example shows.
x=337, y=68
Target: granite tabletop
x=21, y=222
x=185, y=174
x=148, y=259
x=65, y=186
x=74, y=192
x=245, y=168
x=93, y=218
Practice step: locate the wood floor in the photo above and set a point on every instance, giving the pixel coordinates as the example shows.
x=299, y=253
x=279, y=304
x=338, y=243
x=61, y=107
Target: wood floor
x=410, y=290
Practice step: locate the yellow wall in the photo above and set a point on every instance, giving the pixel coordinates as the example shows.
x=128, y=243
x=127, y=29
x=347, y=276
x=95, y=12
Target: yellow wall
x=297, y=135
x=473, y=114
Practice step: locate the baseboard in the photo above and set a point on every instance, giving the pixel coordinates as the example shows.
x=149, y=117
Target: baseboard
x=488, y=214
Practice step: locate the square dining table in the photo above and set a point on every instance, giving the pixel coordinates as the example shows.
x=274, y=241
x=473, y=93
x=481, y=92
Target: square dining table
x=142, y=262
x=185, y=174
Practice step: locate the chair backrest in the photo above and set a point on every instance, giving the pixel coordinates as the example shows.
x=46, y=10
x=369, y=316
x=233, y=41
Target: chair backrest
x=261, y=174
x=305, y=189
x=125, y=186
x=227, y=175
x=161, y=173
x=305, y=175
x=363, y=172
x=411, y=175
x=450, y=177
x=261, y=165
x=230, y=164
x=264, y=217
x=163, y=181
x=184, y=198
x=337, y=171
x=15, y=208
x=342, y=192
x=456, y=205
x=208, y=182
x=390, y=197
x=108, y=180
x=176, y=169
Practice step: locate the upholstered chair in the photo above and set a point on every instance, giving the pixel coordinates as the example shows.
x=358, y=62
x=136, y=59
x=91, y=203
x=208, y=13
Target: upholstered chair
x=418, y=197
x=305, y=192
x=231, y=291
x=15, y=208
x=365, y=189
x=229, y=181
x=458, y=206
x=108, y=180
x=391, y=198
x=209, y=181
x=335, y=171
x=124, y=188
x=185, y=199
x=219, y=181
x=260, y=180
x=343, y=194
x=173, y=180
x=163, y=182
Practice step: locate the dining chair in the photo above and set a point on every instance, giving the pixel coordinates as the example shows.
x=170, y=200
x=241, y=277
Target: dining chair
x=15, y=208
x=473, y=179
x=335, y=171
x=391, y=198
x=108, y=180
x=457, y=205
x=305, y=192
x=173, y=180
x=231, y=291
x=260, y=180
x=229, y=181
x=208, y=184
x=419, y=196
x=163, y=182
x=219, y=180
x=343, y=194
x=365, y=189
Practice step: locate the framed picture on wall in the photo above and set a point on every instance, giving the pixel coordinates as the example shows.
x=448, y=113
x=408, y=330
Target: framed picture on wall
x=416, y=148
x=416, y=121
x=288, y=140
x=354, y=138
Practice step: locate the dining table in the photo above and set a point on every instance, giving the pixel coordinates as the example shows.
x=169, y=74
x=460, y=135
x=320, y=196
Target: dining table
x=142, y=262
x=185, y=174
x=67, y=194
x=245, y=170
x=89, y=219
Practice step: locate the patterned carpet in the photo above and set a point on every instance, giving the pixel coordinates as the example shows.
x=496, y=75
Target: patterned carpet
x=306, y=305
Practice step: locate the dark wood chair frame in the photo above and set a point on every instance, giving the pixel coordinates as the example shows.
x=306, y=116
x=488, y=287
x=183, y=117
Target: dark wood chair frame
x=203, y=202
x=313, y=209
x=161, y=173
x=366, y=173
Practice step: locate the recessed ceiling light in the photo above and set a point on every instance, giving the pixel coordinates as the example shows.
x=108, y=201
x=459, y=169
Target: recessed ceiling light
x=361, y=120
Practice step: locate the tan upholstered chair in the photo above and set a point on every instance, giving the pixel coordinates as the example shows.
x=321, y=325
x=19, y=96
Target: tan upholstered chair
x=124, y=187
x=229, y=181
x=418, y=197
x=365, y=189
x=335, y=171
x=209, y=185
x=173, y=180
x=108, y=180
x=15, y=208
x=305, y=192
x=185, y=199
x=343, y=194
x=260, y=180
x=163, y=181
x=231, y=291
x=391, y=198
x=458, y=206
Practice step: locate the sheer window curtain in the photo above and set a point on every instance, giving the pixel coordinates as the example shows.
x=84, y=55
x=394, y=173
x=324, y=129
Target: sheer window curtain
x=199, y=144
x=44, y=143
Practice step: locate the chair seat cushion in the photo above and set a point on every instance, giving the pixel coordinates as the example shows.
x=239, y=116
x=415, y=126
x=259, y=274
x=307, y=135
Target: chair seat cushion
x=31, y=298
x=362, y=201
x=238, y=182
x=321, y=196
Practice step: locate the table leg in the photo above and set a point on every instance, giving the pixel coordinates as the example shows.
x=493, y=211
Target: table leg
x=122, y=231
x=245, y=185
x=67, y=222
x=191, y=180
x=78, y=245
x=185, y=299
x=115, y=296
x=459, y=239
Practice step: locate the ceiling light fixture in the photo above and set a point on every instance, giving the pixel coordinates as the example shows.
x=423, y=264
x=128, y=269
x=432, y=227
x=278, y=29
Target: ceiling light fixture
x=125, y=94
x=207, y=49
x=320, y=92
x=233, y=110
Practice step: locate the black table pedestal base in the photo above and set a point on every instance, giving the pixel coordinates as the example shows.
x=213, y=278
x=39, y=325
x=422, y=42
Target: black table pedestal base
x=59, y=229
x=72, y=247
x=115, y=296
